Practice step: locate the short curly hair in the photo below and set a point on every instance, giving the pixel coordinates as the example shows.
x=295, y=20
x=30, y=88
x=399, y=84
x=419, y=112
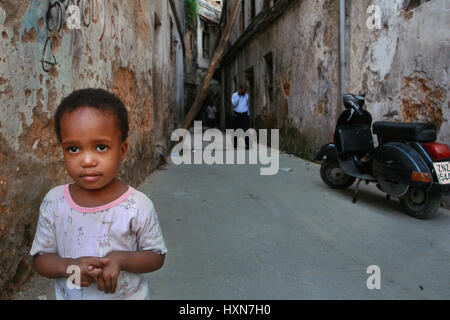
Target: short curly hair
x=99, y=99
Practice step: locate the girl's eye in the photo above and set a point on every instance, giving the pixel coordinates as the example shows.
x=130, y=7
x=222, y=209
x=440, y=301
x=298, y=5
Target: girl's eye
x=73, y=149
x=102, y=147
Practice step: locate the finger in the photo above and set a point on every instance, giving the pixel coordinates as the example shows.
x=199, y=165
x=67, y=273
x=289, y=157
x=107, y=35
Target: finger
x=113, y=284
x=98, y=262
x=95, y=273
x=101, y=283
x=85, y=280
x=108, y=285
x=105, y=284
x=85, y=283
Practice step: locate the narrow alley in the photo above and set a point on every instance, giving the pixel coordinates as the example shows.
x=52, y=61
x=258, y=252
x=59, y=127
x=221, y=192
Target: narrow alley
x=228, y=238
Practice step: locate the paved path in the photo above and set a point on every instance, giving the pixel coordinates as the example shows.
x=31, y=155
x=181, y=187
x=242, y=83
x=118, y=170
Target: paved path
x=234, y=234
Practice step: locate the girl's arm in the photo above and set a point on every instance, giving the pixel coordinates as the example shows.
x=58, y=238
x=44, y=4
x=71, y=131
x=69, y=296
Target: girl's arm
x=51, y=265
x=137, y=261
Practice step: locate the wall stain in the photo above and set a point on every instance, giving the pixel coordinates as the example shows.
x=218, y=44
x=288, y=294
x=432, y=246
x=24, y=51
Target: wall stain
x=422, y=100
x=286, y=87
x=29, y=36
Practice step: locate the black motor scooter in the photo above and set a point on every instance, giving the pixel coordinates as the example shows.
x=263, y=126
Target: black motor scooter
x=407, y=163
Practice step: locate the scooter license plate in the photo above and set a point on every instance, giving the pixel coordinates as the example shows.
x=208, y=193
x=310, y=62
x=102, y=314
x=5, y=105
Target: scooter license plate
x=443, y=171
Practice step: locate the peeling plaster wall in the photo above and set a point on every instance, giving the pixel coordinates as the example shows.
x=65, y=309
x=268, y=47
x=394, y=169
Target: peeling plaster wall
x=115, y=49
x=304, y=47
x=402, y=68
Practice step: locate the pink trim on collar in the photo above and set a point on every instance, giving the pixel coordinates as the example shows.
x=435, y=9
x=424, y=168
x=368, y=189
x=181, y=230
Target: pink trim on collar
x=95, y=209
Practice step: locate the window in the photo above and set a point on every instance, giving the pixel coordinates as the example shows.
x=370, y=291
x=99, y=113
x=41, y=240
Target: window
x=157, y=23
x=253, y=9
x=250, y=81
x=242, y=19
x=268, y=58
x=412, y=4
x=205, y=44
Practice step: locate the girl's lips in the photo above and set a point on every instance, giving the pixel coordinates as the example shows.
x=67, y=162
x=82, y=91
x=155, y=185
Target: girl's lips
x=90, y=177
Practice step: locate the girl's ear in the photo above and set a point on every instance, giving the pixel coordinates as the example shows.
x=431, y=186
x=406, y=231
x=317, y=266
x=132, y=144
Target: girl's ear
x=123, y=150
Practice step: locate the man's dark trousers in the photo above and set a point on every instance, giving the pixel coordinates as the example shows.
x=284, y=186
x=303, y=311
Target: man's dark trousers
x=241, y=121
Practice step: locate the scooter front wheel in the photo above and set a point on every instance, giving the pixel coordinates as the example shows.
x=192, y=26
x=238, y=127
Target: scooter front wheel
x=421, y=204
x=333, y=176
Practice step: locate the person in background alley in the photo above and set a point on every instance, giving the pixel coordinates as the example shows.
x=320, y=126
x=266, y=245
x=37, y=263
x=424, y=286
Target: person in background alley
x=241, y=111
x=97, y=233
x=211, y=111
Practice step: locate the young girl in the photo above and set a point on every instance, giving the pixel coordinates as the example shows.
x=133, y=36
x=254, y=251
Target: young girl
x=106, y=230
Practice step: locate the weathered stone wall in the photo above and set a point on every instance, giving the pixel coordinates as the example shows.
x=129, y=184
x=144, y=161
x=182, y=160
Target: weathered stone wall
x=303, y=43
x=402, y=68
x=132, y=48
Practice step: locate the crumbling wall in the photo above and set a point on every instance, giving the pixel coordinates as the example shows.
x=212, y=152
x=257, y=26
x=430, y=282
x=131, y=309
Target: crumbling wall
x=403, y=66
x=303, y=45
x=44, y=57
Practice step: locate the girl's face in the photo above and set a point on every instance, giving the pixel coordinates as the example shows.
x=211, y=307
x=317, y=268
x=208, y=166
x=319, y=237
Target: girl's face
x=92, y=146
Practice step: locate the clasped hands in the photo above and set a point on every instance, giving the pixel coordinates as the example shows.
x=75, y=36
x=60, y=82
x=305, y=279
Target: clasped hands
x=104, y=271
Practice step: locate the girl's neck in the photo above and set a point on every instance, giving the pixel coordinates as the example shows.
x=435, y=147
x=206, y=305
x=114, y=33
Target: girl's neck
x=97, y=197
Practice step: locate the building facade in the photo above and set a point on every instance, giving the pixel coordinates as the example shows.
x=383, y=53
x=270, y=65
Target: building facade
x=200, y=46
x=287, y=52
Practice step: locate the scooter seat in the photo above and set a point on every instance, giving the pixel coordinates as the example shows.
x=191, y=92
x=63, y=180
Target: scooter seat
x=392, y=131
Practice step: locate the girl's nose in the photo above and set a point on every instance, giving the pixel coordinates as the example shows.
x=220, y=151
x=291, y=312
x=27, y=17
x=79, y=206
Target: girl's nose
x=88, y=161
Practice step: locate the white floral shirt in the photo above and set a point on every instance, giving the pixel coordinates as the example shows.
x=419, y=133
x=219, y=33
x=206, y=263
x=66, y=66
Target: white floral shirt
x=129, y=223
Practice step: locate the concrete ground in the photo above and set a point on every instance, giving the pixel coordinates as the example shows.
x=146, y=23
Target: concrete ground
x=234, y=234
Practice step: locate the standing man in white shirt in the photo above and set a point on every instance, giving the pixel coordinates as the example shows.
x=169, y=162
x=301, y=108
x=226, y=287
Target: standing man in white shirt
x=241, y=111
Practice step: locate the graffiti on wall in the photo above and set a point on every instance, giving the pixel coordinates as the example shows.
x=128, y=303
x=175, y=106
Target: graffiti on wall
x=77, y=14
x=115, y=34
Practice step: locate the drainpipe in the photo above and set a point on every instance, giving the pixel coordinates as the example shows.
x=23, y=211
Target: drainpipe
x=341, y=51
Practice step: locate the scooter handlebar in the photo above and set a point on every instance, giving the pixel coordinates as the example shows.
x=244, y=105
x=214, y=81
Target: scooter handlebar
x=356, y=108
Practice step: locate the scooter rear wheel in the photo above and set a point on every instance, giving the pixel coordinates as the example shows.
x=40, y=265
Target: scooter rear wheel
x=421, y=204
x=333, y=176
